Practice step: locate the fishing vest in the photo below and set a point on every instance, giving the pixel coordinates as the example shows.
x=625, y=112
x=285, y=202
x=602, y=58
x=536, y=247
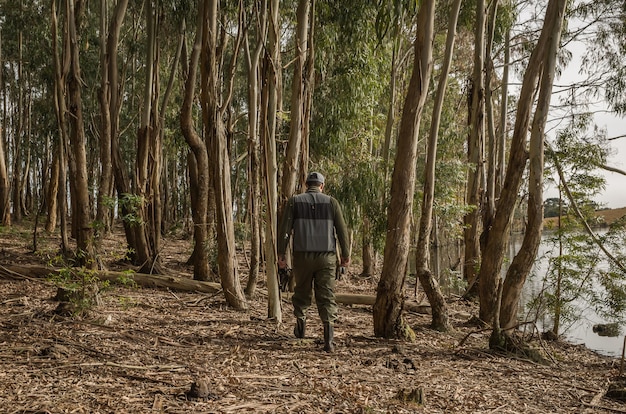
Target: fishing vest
x=313, y=223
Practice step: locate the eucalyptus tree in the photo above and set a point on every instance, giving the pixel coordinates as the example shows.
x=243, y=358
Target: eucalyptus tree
x=492, y=145
x=140, y=198
x=122, y=118
x=523, y=261
x=295, y=160
x=215, y=99
x=199, y=167
x=79, y=190
x=294, y=166
x=603, y=61
x=541, y=67
x=271, y=96
x=475, y=151
x=388, y=320
x=254, y=49
x=5, y=189
x=147, y=235
x=60, y=107
x=572, y=274
x=504, y=110
x=350, y=105
x=588, y=271
x=110, y=30
x=27, y=86
x=428, y=281
x=18, y=189
x=16, y=16
x=394, y=80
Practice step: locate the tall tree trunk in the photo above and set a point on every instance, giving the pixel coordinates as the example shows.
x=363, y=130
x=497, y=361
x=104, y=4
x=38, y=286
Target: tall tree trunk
x=498, y=236
x=475, y=152
x=369, y=254
x=5, y=210
x=291, y=164
x=53, y=187
x=387, y=146
x=308, y=84
x=490, y=193
x=254, y=147
x=160, y=168
x=81, y=214
x=270, y=98
x=62, y=195
x=108, y=107
x=220, y=162
x=504, y=108
x=145, y=146
x=61, y=67
x=388, y=321
x=525, y=258
x=25, y=187
x=17, y=142
x=120, y=174
x=391, y=110
x=200, y=175
x=424, y=273
x=106, y=165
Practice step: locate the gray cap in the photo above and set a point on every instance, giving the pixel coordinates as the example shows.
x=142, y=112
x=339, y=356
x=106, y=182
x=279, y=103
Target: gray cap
x=315, y=177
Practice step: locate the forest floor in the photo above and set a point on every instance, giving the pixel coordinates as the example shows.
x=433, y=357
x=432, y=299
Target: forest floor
x=141, y=349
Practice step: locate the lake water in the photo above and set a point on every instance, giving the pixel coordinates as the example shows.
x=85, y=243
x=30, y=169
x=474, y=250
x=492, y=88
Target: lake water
x=581, y=332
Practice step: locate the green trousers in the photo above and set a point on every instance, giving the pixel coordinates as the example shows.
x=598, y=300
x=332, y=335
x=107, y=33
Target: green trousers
x=315, y=271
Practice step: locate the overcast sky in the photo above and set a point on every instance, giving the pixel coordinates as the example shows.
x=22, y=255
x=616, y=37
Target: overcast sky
x=614, y=195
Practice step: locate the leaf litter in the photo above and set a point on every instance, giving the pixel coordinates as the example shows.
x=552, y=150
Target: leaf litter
x=145, y=350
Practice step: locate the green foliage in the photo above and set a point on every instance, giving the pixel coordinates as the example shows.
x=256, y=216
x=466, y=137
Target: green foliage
x=126, y=302
x=351, y=94
x=612, y=278
x=579, y=156
x=575, y=277
x=80, y=288
x=359, y=186
x=133, y=203
x=452, y=282
x=604, y=51
x=392, y=14
x=126, y=279
x=242, y=231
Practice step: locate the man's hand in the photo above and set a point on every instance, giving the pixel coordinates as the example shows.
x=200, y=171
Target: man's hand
x=282, y=261
x=284, y=275
x=339, y=273
x=345, y=261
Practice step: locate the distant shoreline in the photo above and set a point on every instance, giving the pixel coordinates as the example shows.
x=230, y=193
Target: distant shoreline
x=606, y=217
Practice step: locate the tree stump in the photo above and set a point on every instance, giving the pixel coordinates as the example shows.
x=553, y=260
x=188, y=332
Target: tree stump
x=75, y=301
x=617, y=389
x=415, y=396
x=201, y=389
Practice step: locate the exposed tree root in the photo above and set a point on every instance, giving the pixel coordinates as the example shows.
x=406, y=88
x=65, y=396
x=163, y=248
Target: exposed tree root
x=515, y=345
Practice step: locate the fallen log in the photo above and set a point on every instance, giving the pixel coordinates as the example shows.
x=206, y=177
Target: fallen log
x=186, y=284
x=141, y=279
x=354, y=299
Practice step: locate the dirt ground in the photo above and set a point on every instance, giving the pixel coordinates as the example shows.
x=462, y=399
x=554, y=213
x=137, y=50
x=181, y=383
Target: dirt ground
x=140, y=350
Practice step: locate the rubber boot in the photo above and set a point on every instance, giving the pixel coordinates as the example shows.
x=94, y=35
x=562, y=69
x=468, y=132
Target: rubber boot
x=328, y=337
x=300, y=328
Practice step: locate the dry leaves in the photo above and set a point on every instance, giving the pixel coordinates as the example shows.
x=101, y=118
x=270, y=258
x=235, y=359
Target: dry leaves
x=141, y=350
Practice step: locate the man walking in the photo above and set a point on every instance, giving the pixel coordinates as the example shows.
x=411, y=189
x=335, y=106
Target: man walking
x=314, y=218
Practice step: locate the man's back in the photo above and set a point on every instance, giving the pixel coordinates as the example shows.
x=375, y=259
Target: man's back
x=313, y=222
